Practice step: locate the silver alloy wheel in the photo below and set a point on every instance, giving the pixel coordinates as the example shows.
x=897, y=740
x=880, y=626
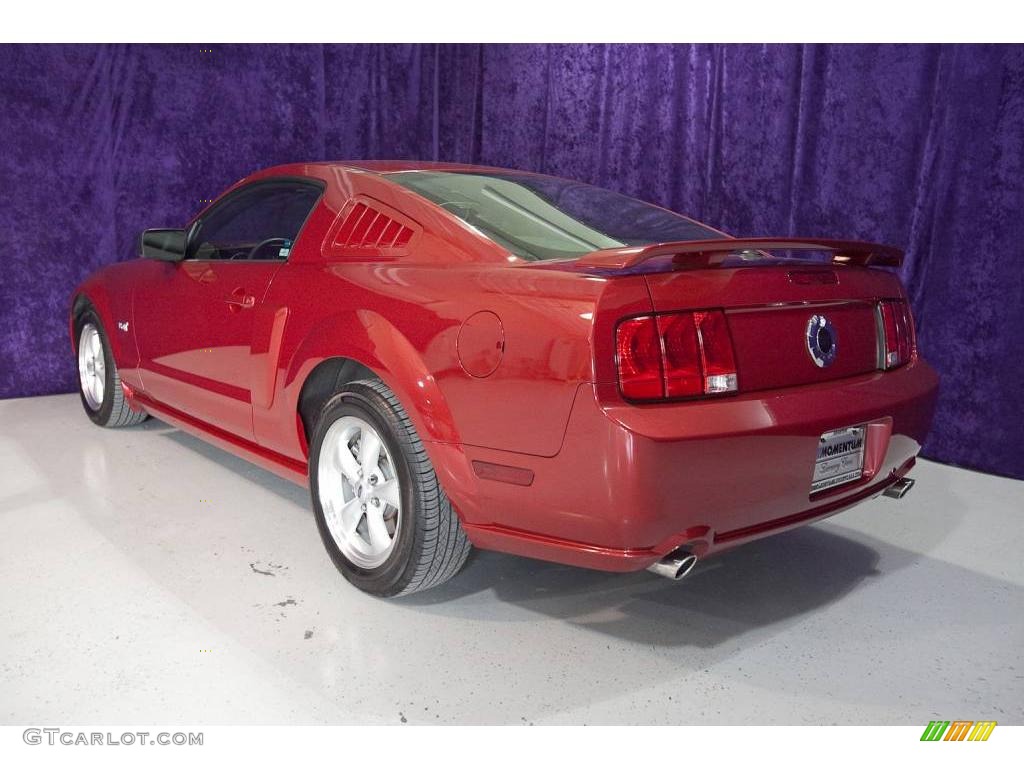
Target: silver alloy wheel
x=359, y=492
x=92, y=366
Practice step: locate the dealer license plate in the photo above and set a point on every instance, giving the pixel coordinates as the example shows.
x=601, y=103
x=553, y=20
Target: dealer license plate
x=840, y=458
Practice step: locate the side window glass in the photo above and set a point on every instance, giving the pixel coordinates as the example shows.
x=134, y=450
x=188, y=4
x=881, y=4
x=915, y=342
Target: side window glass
x=256, y=224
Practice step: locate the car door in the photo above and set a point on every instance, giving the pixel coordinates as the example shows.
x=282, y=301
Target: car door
x=194, y=318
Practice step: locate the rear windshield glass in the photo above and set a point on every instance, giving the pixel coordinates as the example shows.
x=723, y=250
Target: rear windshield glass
x=542, y=217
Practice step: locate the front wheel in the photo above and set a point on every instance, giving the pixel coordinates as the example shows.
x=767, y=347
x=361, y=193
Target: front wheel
x=382, y=515
x=98, y=381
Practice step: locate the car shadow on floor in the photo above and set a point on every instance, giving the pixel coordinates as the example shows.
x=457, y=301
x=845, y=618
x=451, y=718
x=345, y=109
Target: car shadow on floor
x=757, y=585
x=265, y=479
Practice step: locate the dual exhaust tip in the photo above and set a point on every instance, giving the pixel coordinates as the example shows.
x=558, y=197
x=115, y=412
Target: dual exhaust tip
x=675, y=565
x=899, y=489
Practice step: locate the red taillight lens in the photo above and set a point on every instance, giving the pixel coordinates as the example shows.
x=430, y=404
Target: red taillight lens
x=890, y=345
x=682, y=354
x=638, y=349
x=899, y=344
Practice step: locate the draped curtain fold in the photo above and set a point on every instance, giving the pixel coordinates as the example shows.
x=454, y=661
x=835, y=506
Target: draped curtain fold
x=919, y=146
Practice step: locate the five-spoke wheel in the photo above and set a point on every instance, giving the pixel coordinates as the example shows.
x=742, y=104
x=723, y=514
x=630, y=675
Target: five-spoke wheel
x=359, y=491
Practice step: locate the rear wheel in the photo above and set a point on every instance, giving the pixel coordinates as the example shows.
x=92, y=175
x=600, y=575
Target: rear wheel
x=382, y=515
x=98, y=381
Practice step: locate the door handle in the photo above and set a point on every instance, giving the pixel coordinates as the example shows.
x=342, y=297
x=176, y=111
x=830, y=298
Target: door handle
x=239, y=299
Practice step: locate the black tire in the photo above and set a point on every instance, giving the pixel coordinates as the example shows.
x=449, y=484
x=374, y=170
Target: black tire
x=430, y=547
x=113, y=411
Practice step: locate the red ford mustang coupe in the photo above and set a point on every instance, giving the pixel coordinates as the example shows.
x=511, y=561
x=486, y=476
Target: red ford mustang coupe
x=455, y=355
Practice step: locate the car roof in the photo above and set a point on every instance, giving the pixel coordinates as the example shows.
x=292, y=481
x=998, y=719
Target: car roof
x=393, y=166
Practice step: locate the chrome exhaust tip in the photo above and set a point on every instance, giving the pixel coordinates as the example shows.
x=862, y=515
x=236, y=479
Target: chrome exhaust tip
x=675, y=565
x=899, y=489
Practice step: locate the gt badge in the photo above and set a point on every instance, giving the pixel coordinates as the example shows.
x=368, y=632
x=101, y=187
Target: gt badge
x=821, y=341
x=123, y=326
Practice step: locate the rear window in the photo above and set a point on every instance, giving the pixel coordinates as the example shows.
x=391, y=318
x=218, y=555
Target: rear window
x=543, y=217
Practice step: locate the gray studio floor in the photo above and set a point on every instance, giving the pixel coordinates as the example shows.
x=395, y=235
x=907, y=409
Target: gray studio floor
x=149, y=578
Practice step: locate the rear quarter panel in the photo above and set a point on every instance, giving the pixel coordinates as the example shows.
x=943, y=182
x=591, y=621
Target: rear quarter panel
x=404, y=323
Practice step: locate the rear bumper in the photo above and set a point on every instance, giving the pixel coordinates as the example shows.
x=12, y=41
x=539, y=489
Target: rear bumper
x=630, y=484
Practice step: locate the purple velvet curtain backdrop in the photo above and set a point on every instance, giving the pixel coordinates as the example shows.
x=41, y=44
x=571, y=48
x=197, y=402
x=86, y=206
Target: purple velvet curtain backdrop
x=919, y=146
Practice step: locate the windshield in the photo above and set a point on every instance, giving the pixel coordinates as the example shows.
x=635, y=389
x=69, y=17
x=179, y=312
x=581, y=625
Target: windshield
x=543, y=217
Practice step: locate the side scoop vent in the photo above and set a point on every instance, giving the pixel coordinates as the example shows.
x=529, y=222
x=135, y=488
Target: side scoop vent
x=364, y=226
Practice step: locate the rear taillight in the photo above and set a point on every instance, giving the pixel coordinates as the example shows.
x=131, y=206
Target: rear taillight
x=638, y=349
x=717, y=359
x=676, y=355
x=896, y=334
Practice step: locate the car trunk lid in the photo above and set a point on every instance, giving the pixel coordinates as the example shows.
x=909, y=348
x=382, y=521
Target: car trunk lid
x=774, y=314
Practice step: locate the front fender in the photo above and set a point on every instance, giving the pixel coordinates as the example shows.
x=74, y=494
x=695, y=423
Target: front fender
x=113, y=305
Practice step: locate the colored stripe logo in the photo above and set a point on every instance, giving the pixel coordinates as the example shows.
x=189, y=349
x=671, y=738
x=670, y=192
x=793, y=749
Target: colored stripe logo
x=958, y=730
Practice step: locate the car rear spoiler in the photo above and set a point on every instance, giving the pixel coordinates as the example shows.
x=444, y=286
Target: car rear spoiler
x=709, y=252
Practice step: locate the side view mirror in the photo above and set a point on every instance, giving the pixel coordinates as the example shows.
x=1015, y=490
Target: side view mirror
x=162, y=244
